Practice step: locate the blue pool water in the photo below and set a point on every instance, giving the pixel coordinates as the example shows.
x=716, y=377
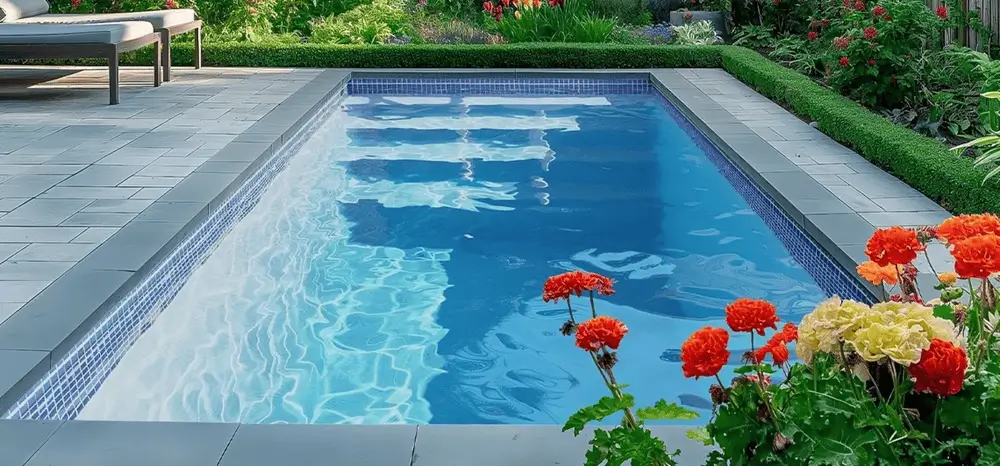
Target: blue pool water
x=393, y=272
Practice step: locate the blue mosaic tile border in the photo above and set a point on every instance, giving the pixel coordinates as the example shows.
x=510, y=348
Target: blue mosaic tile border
x=70, y=384
x=499, y=86
x=820, y=266
x=67, y=387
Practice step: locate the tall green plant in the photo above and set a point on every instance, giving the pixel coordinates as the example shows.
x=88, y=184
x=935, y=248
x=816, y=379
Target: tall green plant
x=988, y=146
x=549, y=21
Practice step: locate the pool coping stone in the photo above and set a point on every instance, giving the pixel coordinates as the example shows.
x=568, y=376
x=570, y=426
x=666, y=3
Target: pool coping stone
x=50, y=324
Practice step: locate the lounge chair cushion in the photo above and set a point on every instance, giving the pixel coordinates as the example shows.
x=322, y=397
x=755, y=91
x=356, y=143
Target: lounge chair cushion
x=53, y=34
x=160, y=19
x=13, y=10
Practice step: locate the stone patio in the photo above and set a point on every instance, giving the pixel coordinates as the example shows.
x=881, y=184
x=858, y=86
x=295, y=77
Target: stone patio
x=74, y=170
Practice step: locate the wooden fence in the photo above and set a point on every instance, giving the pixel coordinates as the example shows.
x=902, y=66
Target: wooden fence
x=989, y=13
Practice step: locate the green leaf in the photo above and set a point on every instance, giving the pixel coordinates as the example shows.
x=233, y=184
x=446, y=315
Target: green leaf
x=944, y=312
x=662, y=410
x=852, y=447
x=700, y=434
x=989, y=455
x=597, y=412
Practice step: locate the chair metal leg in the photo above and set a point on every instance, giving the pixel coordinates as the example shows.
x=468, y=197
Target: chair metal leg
x=197, y=48
x=157, y=57
x=113, y=76
x=165, y=48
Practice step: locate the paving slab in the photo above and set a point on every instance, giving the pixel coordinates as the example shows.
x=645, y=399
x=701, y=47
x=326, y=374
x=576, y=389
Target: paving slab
x=315, y=445
x=100, y=443
x=19, y=440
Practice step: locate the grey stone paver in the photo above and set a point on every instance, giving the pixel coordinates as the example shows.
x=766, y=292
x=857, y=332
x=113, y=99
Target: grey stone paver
x=20, y=440
x=99, y=443
x=311, y=445
x=82, y=169
x=868, y=197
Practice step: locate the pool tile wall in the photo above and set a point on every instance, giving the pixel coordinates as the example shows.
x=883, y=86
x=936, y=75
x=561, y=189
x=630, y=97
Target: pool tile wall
x=65, y=389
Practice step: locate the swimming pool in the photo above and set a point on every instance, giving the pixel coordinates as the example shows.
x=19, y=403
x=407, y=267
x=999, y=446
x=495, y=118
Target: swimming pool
x=392, y=272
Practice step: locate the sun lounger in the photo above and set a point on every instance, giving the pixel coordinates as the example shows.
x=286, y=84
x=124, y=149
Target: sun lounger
x=167, y=23
x=101, y=40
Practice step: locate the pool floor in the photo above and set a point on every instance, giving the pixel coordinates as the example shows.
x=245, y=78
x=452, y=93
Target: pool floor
x=393, y=272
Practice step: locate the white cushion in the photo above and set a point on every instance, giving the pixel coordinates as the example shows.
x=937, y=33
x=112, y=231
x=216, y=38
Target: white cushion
x=45, y=34
x=13, y=10
x=160, y=19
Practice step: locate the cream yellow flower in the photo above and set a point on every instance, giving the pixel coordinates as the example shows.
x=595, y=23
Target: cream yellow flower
x=822, y=329
x=900, y=332
x=898, y=342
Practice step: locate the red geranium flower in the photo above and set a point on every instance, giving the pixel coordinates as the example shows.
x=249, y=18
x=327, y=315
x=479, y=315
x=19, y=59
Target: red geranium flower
x=942, y=12
x=704, y=353
x=599, y=332
x=859, y=5
x=488, y=7
x=788, y=334
x=812, y=35
x=878, y=11
x=961, y=227
x=688, y=16
x=841, y=42
x=977, y=257
x=941, y=369
x=825, y=22
x=75, y=3
x=751, y=315
x=895, y=245
x=779, y=353
x=844, y=61
x=871, y=33
x=871, y=61
x=575, y=283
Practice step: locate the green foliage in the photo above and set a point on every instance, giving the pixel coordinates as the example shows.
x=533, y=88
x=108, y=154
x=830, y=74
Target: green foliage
x=754, y=36
x=371, y=23
x=921, y=162
x=604, y=407
x=622, y=443
x=632, y=12
x=662, y=410
x=696, y=33
x=541, y=55
x=547, y=21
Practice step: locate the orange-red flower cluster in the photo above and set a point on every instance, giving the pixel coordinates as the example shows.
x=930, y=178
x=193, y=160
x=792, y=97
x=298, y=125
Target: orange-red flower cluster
x=941, y=369
x=777, y=346
x=751, y=315
x=878, y=274
x=599, y=332
x=704, y=353
x=977, y=257
x=962, y=227
x=894, y=245
x=575, y=283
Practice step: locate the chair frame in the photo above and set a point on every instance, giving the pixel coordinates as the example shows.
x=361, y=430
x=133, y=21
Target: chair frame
x=167, y=33
x=111, y=52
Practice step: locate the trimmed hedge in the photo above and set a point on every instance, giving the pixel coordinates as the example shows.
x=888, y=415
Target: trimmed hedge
x=536, y=55
x=921, y=162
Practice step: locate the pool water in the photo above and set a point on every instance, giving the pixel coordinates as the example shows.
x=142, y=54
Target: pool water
x=393, y=272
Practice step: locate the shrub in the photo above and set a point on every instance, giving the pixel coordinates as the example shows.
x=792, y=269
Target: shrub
x=921, y=162
x=696, y=33
x=454, y=32
x=372, y=23
x=869, y=51
x=625, y=11
x=549, y=21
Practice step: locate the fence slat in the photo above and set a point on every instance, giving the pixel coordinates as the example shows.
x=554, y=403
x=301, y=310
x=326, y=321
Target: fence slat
x=989, y=13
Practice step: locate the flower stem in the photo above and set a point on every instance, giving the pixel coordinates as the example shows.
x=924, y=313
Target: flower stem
x=937, y=412
x=570, y=306
x=630, y=421
x=593, y=308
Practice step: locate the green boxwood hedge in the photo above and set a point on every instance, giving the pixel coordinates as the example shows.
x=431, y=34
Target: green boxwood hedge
x=921, y=162
x=536, y=55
